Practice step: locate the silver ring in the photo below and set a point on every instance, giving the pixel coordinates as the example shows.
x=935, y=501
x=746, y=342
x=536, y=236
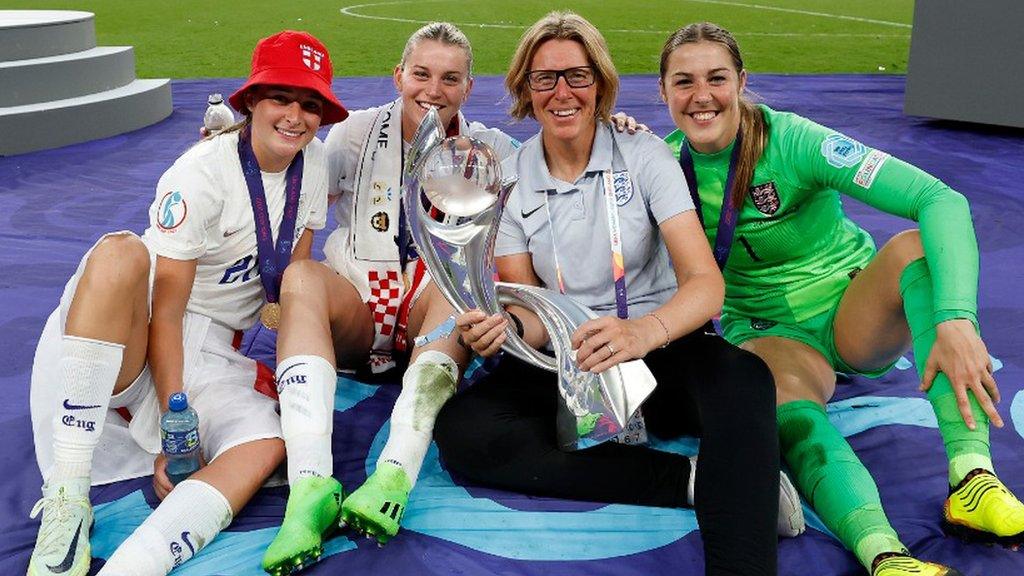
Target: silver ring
x=610, y=349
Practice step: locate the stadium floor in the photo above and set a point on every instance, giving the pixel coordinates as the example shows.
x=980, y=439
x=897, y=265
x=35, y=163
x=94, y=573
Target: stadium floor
x=54, y=204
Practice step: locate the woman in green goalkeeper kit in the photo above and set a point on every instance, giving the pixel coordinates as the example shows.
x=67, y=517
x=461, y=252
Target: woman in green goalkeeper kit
x=808, y=293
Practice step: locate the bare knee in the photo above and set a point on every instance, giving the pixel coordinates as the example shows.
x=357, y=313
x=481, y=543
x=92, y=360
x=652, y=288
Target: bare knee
x=118, y=262
x=274, y=450
x=301, y=276
x=903, y=248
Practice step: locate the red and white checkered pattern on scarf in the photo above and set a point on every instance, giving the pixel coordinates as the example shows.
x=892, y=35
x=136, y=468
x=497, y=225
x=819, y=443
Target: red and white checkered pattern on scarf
x=385, y=289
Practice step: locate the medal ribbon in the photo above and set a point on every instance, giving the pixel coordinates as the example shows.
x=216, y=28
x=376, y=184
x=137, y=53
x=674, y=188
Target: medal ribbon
x=615, y=239
x=727, y=218
x=272, y=259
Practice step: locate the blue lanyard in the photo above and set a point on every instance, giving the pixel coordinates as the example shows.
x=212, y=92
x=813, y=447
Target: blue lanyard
x=729, y=215
x=272, y=259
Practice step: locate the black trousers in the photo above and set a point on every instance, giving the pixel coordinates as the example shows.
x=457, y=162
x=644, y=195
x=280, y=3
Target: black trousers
x=501, y=433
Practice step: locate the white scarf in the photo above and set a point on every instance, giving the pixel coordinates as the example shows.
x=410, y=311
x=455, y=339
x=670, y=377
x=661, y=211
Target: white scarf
x=376, y=216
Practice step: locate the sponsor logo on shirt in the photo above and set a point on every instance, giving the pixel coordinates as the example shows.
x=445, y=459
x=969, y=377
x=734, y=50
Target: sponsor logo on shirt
x=526, y=214
x=766, y=198
x=623, y=187
x=841, y=151
x=380, y=221
x=865, y=176
x=243, y=269
x=171, y=212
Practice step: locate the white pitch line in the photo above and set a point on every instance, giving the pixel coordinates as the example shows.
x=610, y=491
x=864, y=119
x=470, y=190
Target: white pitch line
x=350, y=11
x=805, y=12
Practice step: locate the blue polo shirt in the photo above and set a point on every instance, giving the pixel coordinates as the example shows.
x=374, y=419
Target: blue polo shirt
x=577, y=227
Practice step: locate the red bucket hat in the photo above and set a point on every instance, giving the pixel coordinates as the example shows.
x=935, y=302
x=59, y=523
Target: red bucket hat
x=296, y=59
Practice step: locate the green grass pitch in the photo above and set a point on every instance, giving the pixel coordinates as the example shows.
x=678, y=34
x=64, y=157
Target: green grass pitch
x=210, y=38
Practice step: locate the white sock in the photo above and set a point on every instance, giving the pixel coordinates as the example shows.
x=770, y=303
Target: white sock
x=427, y=384
x=306, y=385
x=693, y=480
x=88, y=372
x=187, y=520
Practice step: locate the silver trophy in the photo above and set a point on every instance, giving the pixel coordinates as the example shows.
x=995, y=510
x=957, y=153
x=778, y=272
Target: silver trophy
x=453, y=200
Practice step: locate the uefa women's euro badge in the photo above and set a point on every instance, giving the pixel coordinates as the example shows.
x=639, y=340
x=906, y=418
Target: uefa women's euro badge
x=453, y=200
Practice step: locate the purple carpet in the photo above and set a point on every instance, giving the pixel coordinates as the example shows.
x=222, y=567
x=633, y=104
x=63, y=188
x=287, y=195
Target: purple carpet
x=54, y=204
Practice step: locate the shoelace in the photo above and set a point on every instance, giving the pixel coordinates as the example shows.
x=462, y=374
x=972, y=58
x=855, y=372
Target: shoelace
x=57, y=511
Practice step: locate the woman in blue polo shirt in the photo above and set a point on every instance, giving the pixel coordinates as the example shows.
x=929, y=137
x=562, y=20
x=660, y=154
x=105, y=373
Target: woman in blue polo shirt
x=501, y=432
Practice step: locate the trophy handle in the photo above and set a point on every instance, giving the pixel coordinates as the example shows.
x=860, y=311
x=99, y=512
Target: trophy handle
x=429, y=134
x=561, y=316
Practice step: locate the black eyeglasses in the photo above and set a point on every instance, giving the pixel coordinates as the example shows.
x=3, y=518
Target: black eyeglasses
x=544, y=80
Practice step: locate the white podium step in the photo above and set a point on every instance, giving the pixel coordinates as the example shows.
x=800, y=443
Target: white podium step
x=56, y=123
x=58, y=88
x=66, y=76
x=39, y=33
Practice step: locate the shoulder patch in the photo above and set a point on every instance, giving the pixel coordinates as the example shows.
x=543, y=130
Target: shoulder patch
x=623, y=185
x=766, y=198
x=842, y=151
x=865, y=176
x=171, y=212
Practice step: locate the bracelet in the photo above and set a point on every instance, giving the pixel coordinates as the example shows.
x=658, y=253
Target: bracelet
x=520, y=330
x=668, y=338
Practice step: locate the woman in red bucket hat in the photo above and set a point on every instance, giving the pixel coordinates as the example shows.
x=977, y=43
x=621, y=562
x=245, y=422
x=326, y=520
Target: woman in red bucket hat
x=147, y=317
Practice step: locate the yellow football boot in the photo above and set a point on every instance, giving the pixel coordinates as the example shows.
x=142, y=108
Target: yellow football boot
x=893, y=564
x=981, y=509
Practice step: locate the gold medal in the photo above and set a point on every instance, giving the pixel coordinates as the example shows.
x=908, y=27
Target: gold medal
x=270, y=315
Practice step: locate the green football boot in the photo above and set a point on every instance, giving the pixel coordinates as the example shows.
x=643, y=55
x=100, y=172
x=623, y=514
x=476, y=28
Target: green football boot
x=981, y=509
x=311, y=515
x=376, y=508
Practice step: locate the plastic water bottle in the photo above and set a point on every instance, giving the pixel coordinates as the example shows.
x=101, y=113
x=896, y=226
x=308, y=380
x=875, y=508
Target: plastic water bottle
x=179, y=432
x=218, y=116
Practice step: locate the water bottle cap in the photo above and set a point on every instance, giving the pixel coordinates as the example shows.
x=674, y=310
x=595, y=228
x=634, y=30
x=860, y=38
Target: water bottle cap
x=215, y=98
x=178, y=402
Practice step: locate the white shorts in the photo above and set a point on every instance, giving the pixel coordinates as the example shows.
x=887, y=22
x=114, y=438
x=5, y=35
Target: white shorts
x=227, y=390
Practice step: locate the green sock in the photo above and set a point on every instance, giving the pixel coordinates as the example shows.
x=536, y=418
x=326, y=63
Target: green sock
x=834, y=480
x=966, y=449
